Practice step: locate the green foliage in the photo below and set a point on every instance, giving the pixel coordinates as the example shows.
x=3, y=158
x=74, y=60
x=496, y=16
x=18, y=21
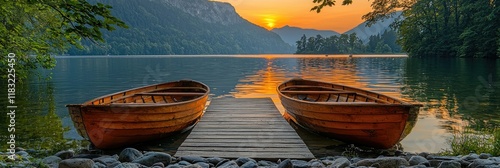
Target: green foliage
x=33, y=30
x=348, y=44
x=485, y=140
x=159, y=28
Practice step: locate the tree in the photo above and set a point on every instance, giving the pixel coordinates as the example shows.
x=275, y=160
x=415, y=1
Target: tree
x=35, y=29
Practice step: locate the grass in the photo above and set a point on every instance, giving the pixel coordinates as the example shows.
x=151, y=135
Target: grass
x=484, y=140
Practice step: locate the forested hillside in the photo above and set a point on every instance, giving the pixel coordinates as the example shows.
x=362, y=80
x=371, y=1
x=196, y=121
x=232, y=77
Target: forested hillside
x=180, y=27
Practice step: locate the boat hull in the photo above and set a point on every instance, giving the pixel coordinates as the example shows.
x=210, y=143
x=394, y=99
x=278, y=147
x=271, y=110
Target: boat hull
x=360, y=121
x=112, y=125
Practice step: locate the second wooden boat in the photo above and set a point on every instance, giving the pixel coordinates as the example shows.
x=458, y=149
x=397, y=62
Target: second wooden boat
x=140, y=114
x=348, y=114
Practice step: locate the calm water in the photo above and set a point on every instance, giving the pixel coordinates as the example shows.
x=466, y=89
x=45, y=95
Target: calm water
x=455, y=92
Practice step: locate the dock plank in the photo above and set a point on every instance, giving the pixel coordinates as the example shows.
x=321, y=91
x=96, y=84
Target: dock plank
x=233, y=128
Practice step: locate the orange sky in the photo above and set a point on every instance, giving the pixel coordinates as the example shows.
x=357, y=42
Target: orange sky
x=278, y=13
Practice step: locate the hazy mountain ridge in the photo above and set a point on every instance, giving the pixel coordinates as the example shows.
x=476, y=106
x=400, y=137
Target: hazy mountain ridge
x=182, y=27
x=291, y=34
x=363, y=32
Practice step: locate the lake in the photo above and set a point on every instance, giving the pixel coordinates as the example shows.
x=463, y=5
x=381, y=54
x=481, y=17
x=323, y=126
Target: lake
x=455, y=92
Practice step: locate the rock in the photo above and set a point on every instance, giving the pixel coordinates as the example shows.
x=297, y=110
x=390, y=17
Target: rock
x=214, y=160
x=450, y=164
x=150, y=158
x=480, y=163
x=355, y=160
x=286, y=164
x=242, y=160
x=470, y=157
x=192, y=166
x=249, y=164
x=424, y=154
x=159, y=164
x=128, y=165
x=266, y=163
x=418, y=166
x=109, y=161
x=418, y=160
x=129, y=154
x=484, y=156
x=495, y=159
x=183, y=163
x=76, y=163
x=174, y=166
x=203, y=165
x=300, y=164
x=65, y=154
x=193, y=159
x=340, y=163
x=99, y=165
x=227, y=164
x=386, y=162
x=86, y=156
x=52, y=161
x=23, y=153
x=435, y=163
x=316, y=164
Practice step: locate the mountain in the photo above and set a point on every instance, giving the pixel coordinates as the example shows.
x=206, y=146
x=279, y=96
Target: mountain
x=182, y=27
x=292, y=34
x=377, y=28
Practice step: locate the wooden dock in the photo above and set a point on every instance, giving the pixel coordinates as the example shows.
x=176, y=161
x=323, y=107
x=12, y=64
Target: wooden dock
x=232, y=128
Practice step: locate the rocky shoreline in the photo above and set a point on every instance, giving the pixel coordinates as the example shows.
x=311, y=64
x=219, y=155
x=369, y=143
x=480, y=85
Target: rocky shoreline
x=133, y=158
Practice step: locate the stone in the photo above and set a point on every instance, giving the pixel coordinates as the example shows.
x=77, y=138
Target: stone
x=100, y=165
x=23, y=153
x=266, y=163
x=470, y=157
x=484, y=156
x=150, y=158
x=495, y=159
x=316, y=164
x=435, y=163
x=76, y=163
x=418, y=166
x=129, y=154
x=424, y=154
x=340, y=163
x=128, y=165
x=480, y=163
x=87, y=156
x=227, y=164
x=193, y=159
x=183, y=163
x=418, y=160
x=300, y=164
x=65, y=154
x=214, y=160
x=386, y=162
x=52, y=161
x=203, y=164
x=159, y=164
x=287, y=163
x=450, y=164
x=242, y=160
x=174, y=166
x=109, y=161
x=249, y=164
x=192, y=166
x=355, y=160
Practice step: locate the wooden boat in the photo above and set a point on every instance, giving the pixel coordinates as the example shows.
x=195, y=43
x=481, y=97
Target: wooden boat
x=140, y=114
x=348, y=114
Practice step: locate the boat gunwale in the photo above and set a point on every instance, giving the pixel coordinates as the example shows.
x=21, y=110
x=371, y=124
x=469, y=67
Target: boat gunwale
x=403, y=103
x=89, y=103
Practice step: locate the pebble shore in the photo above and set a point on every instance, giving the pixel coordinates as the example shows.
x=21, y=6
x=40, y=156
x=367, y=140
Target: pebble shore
x=133, y=158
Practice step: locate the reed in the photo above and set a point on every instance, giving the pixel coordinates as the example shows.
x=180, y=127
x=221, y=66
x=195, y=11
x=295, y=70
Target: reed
x=482, y=140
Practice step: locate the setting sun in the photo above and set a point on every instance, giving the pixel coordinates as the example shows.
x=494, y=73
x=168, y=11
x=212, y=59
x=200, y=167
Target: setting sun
x=278, y=13
x=270, y=22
